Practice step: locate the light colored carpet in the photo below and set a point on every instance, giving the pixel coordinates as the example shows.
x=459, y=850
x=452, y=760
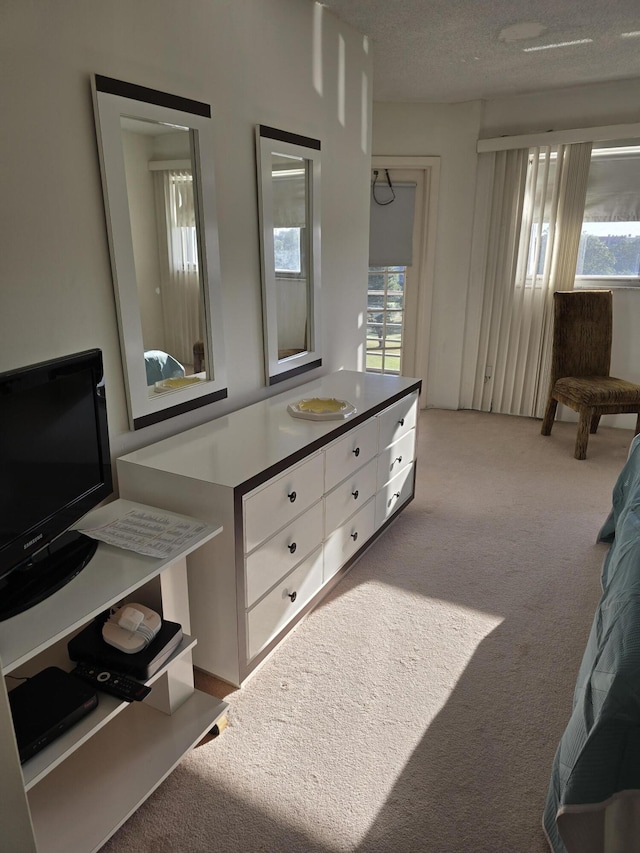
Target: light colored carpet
x=419, y=707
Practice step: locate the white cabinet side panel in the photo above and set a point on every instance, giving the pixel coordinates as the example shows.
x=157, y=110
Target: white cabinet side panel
x=15, y=819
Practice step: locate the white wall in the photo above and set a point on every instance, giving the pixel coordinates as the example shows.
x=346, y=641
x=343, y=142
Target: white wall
x=579, y=106
x=285, y=63
x=451, y=132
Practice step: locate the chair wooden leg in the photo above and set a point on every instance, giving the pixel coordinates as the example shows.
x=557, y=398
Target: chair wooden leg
x=595, y=420
x=549, y=415
x=582, y=439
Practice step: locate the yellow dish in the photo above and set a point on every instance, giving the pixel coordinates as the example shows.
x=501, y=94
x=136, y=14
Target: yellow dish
x=175, y=383
x=321, y=409
x=320, y=405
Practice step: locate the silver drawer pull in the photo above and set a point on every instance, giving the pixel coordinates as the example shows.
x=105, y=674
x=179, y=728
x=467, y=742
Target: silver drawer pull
x=355, y=495
x=354, y=535
x=356, y=452
x=292, y=547
x=292, y=496
x=292, y=595
x=396, y=494
x=397, y=459
x=401, y=421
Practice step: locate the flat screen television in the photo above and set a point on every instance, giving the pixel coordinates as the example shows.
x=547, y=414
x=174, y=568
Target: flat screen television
x=55, y=465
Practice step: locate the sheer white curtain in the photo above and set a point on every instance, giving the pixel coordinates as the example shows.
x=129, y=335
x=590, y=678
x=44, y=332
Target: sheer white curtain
x=535, y=220
x=180, y=278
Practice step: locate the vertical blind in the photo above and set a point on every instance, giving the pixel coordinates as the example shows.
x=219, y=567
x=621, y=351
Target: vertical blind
x=179, y=275
x=538, y=198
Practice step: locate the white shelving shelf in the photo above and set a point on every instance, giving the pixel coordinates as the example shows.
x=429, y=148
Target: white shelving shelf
x=36, y=768
x=148, y=746
x=112, y=575
x=74, y=794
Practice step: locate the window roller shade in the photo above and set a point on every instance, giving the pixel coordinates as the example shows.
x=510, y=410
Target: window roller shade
x=613, y=191
x=289, y=201
x=391, y=224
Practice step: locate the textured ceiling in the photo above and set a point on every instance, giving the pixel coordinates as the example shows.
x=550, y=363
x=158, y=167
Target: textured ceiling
x=458, y=50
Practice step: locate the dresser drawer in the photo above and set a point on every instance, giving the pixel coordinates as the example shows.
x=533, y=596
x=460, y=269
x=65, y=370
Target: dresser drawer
x=349, y=453
x=276, y=609
x=278, y=555
x=345, y=540
x=396, y=457
x=282, y=499
x=397, y=420
x=349, y=496
x=394, y=494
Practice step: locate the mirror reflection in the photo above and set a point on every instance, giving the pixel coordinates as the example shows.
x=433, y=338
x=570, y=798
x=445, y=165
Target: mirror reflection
x=291, y=256
x=156, y=158
x=289, y=195
x=160, y=190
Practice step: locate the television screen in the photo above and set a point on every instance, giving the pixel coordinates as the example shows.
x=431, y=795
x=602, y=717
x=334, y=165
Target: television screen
x=55, y=465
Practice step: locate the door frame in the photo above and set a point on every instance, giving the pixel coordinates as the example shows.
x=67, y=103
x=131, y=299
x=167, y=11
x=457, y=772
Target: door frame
x=425, y=249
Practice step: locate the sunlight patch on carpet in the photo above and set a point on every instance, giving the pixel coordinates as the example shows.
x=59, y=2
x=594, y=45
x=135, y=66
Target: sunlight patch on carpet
x=389, y=673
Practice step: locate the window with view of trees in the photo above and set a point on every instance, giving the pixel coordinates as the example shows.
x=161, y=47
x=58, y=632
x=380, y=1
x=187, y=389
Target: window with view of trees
x=287, y=249
x=610, y=242
x=610, y=254
x=609, y=250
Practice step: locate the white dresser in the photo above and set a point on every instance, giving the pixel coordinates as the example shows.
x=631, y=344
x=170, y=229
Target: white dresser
x=298, y=500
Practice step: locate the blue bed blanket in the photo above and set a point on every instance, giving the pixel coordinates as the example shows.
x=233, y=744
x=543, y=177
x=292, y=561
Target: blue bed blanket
x=160, y=365
x=598, y=758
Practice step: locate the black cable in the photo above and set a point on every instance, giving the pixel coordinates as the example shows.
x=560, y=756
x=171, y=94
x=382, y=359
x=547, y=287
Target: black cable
x=373, y=189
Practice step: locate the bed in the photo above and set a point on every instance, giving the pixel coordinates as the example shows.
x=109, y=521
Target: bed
x=593, y=801
x=160, y=365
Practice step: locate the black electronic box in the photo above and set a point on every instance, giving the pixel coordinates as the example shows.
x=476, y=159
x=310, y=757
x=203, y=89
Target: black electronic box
x=45, y=706
x=89, y=647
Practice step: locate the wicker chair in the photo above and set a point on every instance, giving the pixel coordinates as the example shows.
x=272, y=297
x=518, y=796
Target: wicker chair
x=580, y=363
x=198, y=357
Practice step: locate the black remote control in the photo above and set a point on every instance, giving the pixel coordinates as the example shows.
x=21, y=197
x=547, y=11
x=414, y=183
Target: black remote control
x=112, y=682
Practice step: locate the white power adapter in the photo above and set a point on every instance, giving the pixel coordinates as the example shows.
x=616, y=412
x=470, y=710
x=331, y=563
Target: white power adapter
x=131, y=627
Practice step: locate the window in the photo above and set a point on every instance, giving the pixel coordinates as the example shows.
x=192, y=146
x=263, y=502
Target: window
x=609, y=252
x=183, y=233
x=609, y=249
x=385, y=318
x=288, y=251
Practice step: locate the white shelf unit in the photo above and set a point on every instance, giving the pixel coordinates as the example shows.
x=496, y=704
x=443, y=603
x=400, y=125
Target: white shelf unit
x=300, y=500
x=74, y=794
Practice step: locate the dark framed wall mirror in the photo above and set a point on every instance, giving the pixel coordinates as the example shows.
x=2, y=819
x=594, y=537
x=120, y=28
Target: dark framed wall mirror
x=156, y=157
x=289, y=208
